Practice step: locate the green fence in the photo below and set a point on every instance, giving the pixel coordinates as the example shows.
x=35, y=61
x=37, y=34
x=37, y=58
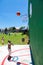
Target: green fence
x=36, y=31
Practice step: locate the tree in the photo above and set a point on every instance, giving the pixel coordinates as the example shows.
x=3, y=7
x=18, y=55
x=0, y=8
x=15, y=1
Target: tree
x=22, y=27
x=6, y=31
x=13, y=29
x=0, y=30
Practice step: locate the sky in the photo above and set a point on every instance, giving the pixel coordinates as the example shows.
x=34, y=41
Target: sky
x=8, y=10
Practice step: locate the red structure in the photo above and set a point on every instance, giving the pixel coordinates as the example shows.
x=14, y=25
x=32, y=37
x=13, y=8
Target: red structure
x=18, y=13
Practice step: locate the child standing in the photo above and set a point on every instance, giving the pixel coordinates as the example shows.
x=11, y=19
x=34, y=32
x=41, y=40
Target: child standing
x=9, y=49
x=2, y=40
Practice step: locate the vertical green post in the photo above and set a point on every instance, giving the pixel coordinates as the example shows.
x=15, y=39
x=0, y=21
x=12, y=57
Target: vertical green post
x=36, y=31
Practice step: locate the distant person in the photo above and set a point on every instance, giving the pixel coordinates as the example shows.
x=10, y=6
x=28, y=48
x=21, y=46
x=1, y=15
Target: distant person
x=9, y=49
x=28, y=41
x=2, y=40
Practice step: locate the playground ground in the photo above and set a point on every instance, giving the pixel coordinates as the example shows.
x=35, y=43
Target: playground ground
x=20, y=54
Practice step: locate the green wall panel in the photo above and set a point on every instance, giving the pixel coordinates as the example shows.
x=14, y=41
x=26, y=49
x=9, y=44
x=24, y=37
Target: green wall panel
x=36, y=31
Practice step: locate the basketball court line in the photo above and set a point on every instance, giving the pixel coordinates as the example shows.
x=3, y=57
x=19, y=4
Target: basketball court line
x=20, y=50
x=23, y=53
x=13, y=52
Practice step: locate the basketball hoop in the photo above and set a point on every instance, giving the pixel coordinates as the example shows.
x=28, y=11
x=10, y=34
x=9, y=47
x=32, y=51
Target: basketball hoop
x=24, y=18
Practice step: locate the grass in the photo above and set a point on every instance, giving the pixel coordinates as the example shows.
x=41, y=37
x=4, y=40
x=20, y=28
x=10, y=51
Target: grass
x=15, y=38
